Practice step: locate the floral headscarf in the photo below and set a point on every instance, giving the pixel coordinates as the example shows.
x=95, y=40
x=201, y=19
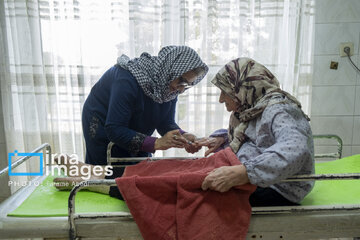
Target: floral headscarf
x=254, y=87
x=154, y=73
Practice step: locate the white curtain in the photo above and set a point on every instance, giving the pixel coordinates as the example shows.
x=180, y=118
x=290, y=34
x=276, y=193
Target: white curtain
x=52, y=52
x=278, y=34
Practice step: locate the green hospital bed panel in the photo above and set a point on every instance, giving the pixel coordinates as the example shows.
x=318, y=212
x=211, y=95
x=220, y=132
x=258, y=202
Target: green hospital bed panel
x=47, y=201
x=336, y=192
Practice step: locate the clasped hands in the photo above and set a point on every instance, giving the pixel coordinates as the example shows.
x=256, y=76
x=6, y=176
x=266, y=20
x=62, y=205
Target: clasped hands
x=220, y=179
x=188, y=141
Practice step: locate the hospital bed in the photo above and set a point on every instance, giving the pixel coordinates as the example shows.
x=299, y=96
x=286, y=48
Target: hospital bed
x=295, y=222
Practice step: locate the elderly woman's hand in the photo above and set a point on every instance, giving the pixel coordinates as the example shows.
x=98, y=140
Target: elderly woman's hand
x=223, y=178
x=213, y=143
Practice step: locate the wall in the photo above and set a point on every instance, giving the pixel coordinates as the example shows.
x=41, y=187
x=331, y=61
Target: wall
x=336, y=93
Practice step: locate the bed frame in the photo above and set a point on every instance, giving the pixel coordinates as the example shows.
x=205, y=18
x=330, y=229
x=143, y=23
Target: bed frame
x=295, y=222
x=332, y=137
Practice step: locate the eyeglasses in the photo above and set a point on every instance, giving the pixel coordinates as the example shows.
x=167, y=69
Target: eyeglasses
x=183, y=83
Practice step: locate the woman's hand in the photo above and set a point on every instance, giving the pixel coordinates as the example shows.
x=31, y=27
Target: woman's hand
x=191, y=147
x=213, y=143
x=171, y=139
x=223, y=178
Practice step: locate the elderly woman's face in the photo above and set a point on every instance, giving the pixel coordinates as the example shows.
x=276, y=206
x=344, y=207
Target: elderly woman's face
x=230, y=104
x=183, y=82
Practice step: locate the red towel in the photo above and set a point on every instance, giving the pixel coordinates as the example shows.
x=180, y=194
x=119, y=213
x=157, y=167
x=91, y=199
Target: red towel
x=166, y=200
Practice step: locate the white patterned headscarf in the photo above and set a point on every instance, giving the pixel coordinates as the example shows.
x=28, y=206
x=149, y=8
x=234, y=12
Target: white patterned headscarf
x=154, y=73
x=254, y=88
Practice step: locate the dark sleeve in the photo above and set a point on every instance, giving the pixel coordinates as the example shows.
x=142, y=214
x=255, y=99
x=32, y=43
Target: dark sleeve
x=168, y=123
x=148, y=144
x=122, y=102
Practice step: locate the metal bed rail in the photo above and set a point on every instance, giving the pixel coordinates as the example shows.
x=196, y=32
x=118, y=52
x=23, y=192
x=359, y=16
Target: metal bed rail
x=336, y=155
x=339, y=141
x=111, y=159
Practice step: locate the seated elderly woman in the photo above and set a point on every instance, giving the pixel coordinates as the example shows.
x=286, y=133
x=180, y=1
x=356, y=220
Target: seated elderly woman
x=269, y=133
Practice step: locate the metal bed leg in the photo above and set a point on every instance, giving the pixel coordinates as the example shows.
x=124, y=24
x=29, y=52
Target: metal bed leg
x=71, y=210
x=71, y=203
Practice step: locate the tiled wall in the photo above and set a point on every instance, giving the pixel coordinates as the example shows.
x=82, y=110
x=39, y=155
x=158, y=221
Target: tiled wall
x=335, y=104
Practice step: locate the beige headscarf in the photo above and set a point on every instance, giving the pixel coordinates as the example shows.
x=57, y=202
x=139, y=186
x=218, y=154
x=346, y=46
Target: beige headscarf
x=254, y=87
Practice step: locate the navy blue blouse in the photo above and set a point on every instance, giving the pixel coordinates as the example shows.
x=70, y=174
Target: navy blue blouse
x=117, y=110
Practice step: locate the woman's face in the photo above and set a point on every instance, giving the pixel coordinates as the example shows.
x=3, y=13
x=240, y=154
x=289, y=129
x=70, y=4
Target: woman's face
x=230, y=104
x=183, y=82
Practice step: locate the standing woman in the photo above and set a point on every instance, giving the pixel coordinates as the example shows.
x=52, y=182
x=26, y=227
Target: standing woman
x=267, y=131
x=136, y=97
x=129, y=102
x=132, y=100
